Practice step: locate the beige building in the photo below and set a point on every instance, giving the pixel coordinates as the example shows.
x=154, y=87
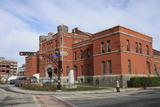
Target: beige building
x=7, y=67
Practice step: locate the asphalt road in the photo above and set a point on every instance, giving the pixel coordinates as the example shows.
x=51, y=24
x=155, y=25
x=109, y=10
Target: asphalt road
x=122, y=99
x=148, y=98
x=12, y=99
x=15, y=98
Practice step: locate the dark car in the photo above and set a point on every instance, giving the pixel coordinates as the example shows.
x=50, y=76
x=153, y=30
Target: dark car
x=12, y=81
x=47, y=82
x=19, y=81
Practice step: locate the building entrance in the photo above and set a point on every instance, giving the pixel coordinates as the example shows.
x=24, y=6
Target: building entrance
x=50, y=73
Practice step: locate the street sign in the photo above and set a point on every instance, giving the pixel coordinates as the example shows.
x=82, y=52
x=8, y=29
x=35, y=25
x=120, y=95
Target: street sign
x=56, y=56
x=27, y=53
x=64, y=53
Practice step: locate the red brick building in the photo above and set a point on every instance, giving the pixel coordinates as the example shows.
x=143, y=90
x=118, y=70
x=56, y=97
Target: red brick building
x=31, y=66
x=117, y=53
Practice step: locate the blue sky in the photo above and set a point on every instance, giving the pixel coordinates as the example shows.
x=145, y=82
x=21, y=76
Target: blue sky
x=22, y=21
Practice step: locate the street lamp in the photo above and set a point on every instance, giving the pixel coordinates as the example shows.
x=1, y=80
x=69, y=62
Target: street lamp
x=59, y=67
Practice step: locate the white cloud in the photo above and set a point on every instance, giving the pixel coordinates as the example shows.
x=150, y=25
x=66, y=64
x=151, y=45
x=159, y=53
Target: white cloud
x=24, y=20
x=15, y=36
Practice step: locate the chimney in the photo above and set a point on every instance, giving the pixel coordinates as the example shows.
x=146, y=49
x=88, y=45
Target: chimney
x=75, y=30
x=62, y=28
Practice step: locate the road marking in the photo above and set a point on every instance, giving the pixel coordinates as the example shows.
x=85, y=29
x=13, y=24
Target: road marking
x=50, y=101
x=34, y=98
x=3, y=90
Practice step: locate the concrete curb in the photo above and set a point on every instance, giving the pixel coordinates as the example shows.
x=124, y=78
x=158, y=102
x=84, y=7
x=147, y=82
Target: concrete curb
x=18, y=90
x=96, y=91
x=112, y=90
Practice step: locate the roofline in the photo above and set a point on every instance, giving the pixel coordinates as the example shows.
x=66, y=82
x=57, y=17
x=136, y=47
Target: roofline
x=119, y=26
x=135, y=31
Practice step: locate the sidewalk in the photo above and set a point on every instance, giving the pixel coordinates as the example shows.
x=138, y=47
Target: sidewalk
x=23, y=91
x=111, y=90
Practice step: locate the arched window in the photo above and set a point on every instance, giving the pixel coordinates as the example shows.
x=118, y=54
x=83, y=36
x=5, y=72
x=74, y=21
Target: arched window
x=75, y=72
x=108, y=46
x=102, y=47
x=103, y=68
x=148, y=67
x=81, y=54
x=129, y=66
x=156, y=70
x=67, y=70
x=128, y=45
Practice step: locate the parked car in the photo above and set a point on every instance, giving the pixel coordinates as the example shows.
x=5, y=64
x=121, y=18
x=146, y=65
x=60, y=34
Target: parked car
x=33, y=79
x=13, y=77
x=12, y=81
x=47, y=82
x=19, y=81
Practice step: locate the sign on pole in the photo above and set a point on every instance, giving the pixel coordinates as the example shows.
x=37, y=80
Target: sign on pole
x=27, y=53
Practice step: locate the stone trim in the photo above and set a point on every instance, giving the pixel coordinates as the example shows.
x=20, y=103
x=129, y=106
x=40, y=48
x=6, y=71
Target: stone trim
x=66, y=47
x=67, y=60
x=134, y=36
x=110, y=34
x=83, y=59
x=122, y=51
x=115, y=51
x=81, y=45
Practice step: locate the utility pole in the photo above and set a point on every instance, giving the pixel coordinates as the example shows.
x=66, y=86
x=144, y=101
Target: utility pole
x=59, y=67
x=56, y=59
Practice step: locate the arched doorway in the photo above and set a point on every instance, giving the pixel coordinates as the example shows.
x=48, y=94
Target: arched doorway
x=50, y=73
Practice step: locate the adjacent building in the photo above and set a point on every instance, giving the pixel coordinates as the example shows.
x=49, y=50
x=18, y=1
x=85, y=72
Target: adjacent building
x=114, y=54
x=7, y=67
x=21, y=70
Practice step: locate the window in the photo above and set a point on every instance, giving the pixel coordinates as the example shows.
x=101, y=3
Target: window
x=61, y=41
x=102, y=47
x=88, y=53
x=108, y=46
x=3, y=70
x=7, y=66
x=81, y=73
x=81, y=54
x=7, y=71
x=109, y=66
x=67, y=70
x=140, y=47
x=129, y=66
x=103, y=68
x=128, y=45
x=56, y=43
x=148, y=67
x=89, y=69
x=155, y=70
x=75, y=72
x=75, y=55
x=147, y=49
x=136, y=47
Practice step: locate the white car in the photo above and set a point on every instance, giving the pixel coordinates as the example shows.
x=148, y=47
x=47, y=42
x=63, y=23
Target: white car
x=13, y=77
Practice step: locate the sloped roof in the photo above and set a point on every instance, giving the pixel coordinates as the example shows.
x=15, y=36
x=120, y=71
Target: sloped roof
x=156, y=52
